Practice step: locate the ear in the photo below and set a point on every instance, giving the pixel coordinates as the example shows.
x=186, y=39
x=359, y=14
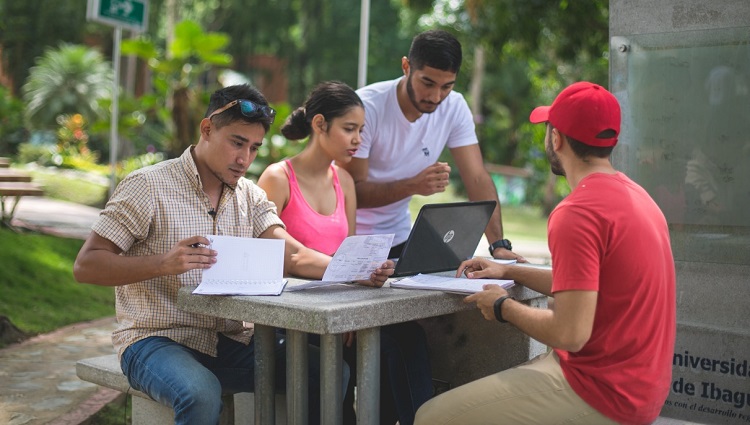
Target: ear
x=405, y=66
x=206, y=127
x=319, y=124
x=557, y=140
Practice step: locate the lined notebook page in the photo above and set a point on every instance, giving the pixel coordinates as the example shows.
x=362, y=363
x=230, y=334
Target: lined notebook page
x=244, y=266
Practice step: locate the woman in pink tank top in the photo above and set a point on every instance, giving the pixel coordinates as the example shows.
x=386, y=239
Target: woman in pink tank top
x=316, y=200
x=314, y=197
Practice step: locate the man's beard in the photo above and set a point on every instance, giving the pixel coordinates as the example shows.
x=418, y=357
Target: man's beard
x=413, y=99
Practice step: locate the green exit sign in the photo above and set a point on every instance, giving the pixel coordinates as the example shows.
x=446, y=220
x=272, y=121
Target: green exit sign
x=130, y=14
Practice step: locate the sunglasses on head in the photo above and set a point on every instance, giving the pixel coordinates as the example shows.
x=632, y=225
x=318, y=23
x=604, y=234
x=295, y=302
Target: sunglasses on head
x=249, y=109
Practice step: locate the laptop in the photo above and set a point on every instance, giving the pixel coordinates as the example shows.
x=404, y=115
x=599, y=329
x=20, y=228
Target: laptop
x=443, y=236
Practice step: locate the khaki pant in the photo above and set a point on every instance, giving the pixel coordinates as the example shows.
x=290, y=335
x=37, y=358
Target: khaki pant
x=535, y=392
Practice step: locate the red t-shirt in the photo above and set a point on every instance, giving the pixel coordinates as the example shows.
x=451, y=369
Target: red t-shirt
x=609, y=236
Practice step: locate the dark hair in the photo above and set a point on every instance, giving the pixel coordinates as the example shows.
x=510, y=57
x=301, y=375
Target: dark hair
x=223, y=96
x=437, y=49
x=331, y=99
x=582, y=150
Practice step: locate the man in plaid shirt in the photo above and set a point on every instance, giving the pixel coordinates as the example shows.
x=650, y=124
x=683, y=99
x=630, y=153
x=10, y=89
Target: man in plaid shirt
x=149, y=241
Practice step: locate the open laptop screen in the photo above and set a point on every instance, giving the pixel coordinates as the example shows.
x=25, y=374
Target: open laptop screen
x=443, y=236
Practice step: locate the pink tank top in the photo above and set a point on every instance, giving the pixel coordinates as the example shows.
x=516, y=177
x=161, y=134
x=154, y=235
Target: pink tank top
x=320, y=232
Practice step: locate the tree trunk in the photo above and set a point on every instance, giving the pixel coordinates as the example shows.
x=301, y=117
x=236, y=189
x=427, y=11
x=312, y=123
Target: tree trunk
x=184, y=123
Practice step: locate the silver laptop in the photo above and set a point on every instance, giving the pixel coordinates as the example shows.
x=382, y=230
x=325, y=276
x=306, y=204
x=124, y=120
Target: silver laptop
x=443, y=236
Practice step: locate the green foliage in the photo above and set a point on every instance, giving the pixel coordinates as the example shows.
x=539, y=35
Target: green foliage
x=12, y=130
x=192, y=53
x=38, y=287
x=135, y=162
x=532, y=49
x=66, y=80
x=40, y=154
x=142, y=125
x=28, y=27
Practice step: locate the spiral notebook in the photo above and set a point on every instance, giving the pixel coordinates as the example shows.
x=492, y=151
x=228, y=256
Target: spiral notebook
x=244, y=266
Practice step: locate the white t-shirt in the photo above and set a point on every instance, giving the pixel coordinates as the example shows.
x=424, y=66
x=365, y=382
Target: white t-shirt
x=399, y=149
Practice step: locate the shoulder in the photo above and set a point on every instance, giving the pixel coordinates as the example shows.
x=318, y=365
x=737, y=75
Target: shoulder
x=376, y=89
x=375, y=95
x=274, y=174
x=345, y=179
x=455, y=104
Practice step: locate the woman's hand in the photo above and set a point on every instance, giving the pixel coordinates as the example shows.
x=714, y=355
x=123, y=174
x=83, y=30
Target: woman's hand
x=380, y=275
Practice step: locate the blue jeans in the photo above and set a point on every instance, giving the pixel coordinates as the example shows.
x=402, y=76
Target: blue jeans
x=192, y=383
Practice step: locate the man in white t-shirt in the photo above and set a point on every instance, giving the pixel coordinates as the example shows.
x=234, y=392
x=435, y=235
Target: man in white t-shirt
x=408, y=123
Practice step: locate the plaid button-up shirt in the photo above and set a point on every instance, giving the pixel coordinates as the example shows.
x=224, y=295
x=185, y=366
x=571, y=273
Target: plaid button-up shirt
x=151, y=210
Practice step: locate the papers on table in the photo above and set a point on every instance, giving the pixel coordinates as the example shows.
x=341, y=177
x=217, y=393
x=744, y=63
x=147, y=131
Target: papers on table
x=448, y=284
x=357, y=257
x=244, y=266
x=501, y=261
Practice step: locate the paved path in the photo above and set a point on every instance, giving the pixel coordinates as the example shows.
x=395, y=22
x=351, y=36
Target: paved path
x=38, y=383
x=55, y=217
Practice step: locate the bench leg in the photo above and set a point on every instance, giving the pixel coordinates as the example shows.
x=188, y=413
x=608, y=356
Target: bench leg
x=8, y=211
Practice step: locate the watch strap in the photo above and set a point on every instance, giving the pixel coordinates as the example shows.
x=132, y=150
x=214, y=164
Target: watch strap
x=498, y=308
x=502, y=243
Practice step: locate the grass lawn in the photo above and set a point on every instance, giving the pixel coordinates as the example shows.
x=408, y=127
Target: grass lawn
x=39, y=291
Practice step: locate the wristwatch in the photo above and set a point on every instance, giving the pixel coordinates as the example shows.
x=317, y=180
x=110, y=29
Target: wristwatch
x=502, y=243
x=497, y=307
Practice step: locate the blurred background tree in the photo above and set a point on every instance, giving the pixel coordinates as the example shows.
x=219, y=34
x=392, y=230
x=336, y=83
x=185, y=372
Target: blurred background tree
x=517, y=54
x=66, y=80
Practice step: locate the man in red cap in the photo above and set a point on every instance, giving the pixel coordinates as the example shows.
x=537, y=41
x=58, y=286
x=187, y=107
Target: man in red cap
x=612, y=324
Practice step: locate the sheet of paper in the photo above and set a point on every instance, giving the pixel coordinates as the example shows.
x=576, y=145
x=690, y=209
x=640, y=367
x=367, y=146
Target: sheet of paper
x=448, y=284
x=501, y=261
x=244, y=266
x=355, y=259
x=497, y=260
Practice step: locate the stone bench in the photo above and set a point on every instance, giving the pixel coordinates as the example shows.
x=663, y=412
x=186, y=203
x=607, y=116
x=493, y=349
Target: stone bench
x=105, y=371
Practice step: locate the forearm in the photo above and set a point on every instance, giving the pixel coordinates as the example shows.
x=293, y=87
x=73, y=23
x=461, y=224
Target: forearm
x=307, y=263
x=537, y=323
x=100, y=267
x=567, y=325
x=479, y=188
x=299, y=261
x=536, y=279
x=371, y=195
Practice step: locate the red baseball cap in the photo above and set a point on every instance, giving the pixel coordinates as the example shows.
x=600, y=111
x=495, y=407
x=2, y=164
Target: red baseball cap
x=585, y=112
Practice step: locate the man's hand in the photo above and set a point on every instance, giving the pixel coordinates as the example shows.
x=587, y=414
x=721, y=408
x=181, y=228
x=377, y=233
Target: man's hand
x=486, y=299
x=380, y=275
x=505, y=254
x=188, y=254
x=432, y=179
x=478, y=268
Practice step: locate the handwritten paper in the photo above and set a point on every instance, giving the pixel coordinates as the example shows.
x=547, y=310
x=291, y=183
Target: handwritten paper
x=244, y=266
x=357, y=257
